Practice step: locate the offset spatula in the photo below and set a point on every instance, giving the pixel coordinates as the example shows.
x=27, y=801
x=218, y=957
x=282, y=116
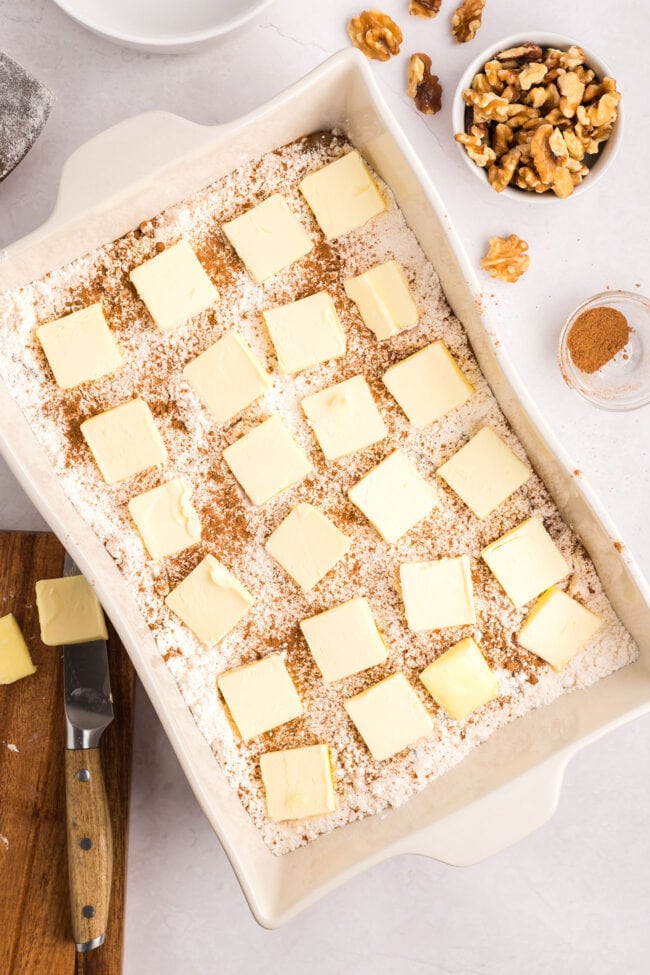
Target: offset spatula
x=88, y=712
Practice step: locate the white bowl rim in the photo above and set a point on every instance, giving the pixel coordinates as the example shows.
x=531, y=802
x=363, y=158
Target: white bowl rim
x=544, y=39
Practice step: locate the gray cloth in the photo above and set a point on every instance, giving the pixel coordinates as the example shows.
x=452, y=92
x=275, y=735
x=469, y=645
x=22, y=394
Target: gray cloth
x=24, y=108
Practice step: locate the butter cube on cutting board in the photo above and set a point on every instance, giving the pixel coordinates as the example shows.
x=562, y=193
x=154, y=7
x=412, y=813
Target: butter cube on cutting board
x=437, y=594
x=298, y=782
x=124, y=441
x=210, y=601
x=557, y=628
x=428, y=384
x=526, y=561
x=394, y=496
x=174, y=286
x=166, y=518
x=268, y=238
x=305, y=332
x=267, y=460
x=80, y=347
x=344, y=417
x=383, y=299
x=227, y=377
x=344, y=640
x=307, y=545
x=461, y=680
x=389, y=716
x=69, y=611
x=15, y=659
x=342, y=195
x=484, y=472
x=260, y=696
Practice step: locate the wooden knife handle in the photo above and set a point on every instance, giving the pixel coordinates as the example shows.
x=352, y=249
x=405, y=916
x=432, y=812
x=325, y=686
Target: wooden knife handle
x=90, y=846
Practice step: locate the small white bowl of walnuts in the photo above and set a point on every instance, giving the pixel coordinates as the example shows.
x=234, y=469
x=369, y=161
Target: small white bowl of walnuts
x=538, y=117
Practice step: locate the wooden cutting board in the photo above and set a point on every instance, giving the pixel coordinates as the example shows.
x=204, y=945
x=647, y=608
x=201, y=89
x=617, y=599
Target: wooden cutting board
x=35, y=930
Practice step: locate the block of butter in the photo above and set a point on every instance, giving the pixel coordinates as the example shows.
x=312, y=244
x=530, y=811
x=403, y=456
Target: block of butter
x=307, y=545
x=80, y=347
x=260, y=696
x=166, y=518
x=267, y=460
x=383, y=299
x=227, y=377
x=344, y=640
x=210, y=600
x=268, y=237
x=389, y=716
x=394, y=496
x=174, y=286
x=344, y=417
x=484, y=472
x=305, y=332
x=342, y=195
x=428, y=384
x=15, y=659
x=557, y=628
x=438, y=593
x=461, y=680
x=526, y=561
x=298, y=782
x=69, y=612
x=124, y=440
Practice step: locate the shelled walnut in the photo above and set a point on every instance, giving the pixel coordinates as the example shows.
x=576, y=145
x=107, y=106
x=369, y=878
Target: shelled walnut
x=466, y=20
x=375, y=34
x=422, y=86
x=425, y=8
x=506, y=258
x=542, y=113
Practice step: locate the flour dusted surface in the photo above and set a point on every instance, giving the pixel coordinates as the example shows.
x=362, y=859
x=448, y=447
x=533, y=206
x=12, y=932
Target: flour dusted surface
x=235, y=531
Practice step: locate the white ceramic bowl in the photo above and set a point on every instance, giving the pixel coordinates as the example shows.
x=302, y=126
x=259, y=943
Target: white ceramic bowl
x=544, y=39
x=163, y=26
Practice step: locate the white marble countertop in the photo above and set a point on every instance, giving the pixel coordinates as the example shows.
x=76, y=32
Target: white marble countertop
x=574, y=897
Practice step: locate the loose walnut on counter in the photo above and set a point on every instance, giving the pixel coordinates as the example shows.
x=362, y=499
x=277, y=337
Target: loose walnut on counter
x=375, y=34
x=506, y=258
x=424, y=8
x=466, y=20
x=424, y=87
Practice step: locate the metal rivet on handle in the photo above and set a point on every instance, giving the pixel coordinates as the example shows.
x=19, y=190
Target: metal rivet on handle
x=83, y=775
x=88, y=911
x=86, y=843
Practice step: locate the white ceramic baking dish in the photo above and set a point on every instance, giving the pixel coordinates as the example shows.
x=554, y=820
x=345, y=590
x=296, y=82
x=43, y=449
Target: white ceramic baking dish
x=508, y=786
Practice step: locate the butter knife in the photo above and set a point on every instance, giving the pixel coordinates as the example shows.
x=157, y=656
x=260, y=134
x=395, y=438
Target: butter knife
x=88, y=712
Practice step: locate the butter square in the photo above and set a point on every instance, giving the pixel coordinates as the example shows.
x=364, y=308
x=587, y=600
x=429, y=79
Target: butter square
x=267, y=460
x=124, y=441
x=298, y=782
x=174, y=286
x=428, y=384
x=305, y=332
x=394, y=496
x=437, y=594
x=344, y=640
x=307, y=545
x=461, y=680
x=383, y=299
x=166, y=519
x=227, y=377
x=80, y=347
x=484, y=472
x=69, y=612
x=268, y=238
x=15, y=659
x=389, y=716
x=526, y=561
x=344, y=417
x=260, y=696
x=557, y=628
x=342, y=195
x=210, y=601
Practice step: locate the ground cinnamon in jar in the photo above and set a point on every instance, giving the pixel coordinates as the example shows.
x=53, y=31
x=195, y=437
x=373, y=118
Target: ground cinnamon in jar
x=596, y=336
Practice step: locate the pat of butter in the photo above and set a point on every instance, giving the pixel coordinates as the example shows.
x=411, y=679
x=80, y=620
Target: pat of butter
x=166, y=519
x=307, y=545
x=428, y=384
x=437, y=594
x=267, y=460
x=526, y=561
x=384, y=300
x=461, y=680
x=174, y=286
x=389, y=716
x=305, y=332
x=124, y=441
x=394, y=496
x=342, y=195
x=557, y=628
x=69, y=612
x=15, y=659
x=298, y=782
x=260, y=696
x=344, y=640
x=227, y=377
x=268, y=238
x=344, y=417
x=210, y=601
x=80, y=347
x=484, y=472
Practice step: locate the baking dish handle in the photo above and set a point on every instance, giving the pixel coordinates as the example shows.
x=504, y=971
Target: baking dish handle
x=496, y=821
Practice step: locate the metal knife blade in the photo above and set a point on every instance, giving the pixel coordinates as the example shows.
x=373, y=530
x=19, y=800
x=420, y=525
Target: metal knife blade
x=86, y=687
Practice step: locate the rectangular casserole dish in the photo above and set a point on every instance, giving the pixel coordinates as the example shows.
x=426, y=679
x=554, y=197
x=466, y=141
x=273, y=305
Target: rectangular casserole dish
x=508, y=786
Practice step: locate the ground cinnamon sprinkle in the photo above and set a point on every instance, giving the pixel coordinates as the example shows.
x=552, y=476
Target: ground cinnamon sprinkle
x=596, y=336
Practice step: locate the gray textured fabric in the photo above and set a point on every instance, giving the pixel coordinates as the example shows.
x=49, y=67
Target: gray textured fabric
x=24, y=107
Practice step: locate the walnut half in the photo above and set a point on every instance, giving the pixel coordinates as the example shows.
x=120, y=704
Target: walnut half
x=375, y=34
x=466, y=20
x=423, y=87
x=506, y=258
x=424, y=8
